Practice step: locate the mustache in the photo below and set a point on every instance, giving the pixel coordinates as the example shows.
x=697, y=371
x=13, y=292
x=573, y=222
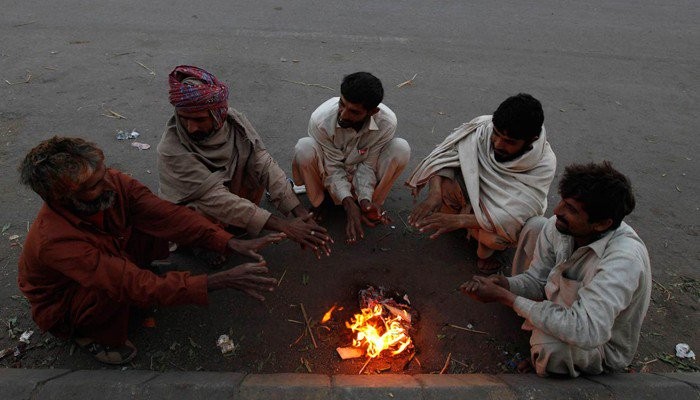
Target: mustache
x=102, y=202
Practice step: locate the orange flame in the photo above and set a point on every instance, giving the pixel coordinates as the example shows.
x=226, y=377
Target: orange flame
x=378, y=333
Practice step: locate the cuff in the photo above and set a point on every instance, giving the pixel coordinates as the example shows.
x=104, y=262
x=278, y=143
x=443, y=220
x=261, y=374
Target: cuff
x=219, y=242
x=523, y=307
x=288, y=203
x=257, y=221
x=514, y=285
x=197, y=289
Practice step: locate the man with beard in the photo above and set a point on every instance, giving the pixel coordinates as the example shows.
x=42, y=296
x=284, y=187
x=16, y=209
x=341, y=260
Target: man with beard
x=351, y=153
x=489, y=177
x=211, y=159
x=587, y=290
x=86, y=258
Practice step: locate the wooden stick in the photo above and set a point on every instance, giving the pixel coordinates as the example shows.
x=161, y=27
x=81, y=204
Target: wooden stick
x=408, y=82
x=279, y=282
x=363, y=367
x=308, y=325
x=447, y=362
x=309, y=84
x=467, y=329
x=152, y=72
x=295, y=321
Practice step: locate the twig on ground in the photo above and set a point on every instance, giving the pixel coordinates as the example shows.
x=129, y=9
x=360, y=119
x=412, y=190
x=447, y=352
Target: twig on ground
x=150, y=71
x=303, y=333
x=364, y=366
x=447, y=363
x=279, y=282
x=668, y=292
x=305, y=363
x=26, y=80
x=408, y=82
x=460, y=363
x=308, y=325
x=309, y=84
x=386, y=235
x=295, y=321
x=24, y=24
x=467, y=329
x=112, y=114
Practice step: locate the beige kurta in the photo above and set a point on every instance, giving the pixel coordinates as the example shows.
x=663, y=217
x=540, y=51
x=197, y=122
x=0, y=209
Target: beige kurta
x=503, y=195
x=207, y=175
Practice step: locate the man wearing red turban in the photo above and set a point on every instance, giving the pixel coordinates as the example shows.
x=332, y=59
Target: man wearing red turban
x=210, y=158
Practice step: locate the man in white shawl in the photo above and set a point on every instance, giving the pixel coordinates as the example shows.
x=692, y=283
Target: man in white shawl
x=489, y=176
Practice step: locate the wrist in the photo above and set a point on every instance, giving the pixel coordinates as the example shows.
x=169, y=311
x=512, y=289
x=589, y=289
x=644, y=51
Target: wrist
x=213, y=283
x=507, y=298
x=349, y=202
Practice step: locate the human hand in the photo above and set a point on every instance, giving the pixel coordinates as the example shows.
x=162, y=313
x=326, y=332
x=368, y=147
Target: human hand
x=441, y=223
x=430, y=205
x=246, y=278
x=487, y=290
x=250, y=247
x=353, y=225
x=305, y=231
x=373, y=213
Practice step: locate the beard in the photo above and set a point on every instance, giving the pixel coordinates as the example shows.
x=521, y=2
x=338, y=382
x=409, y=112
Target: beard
x=201, y=136
x=92, y=207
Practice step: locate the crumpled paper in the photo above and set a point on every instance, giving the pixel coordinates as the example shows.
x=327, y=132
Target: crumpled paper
x=683, y=351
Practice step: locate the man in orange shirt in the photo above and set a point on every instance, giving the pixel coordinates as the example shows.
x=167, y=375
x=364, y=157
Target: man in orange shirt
x=84, y=262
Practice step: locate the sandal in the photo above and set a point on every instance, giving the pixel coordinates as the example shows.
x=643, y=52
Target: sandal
x=109, y=355
x=488, y=266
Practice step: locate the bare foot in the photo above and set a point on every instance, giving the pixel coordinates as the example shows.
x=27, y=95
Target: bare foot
x=525, y=367
x=488, y=266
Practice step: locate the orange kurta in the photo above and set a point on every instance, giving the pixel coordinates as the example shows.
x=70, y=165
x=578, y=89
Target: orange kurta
x=75, y=273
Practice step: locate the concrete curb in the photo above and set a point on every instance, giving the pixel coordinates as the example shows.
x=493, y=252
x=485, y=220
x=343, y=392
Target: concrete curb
x=16, y=384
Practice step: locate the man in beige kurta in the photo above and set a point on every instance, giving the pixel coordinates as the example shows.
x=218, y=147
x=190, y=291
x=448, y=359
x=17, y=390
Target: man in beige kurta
x=587, y=290
x=211, y=158
x=489, y=177
x=351, y=153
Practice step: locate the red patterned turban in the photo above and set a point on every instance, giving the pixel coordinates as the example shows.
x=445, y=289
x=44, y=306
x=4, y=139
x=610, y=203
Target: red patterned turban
x=194, y=89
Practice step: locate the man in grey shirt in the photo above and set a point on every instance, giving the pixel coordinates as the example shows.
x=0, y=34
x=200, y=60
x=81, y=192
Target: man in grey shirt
x=588, y=287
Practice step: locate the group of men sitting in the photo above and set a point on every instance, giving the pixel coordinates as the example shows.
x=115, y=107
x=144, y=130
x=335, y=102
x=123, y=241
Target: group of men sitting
x=580, y=279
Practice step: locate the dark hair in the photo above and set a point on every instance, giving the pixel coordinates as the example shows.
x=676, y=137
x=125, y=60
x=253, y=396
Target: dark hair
x=519, y=117
x=363, y=88
x=57, y=166
x=603, y=191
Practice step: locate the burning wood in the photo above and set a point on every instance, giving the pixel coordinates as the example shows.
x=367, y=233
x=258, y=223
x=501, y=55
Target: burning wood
x=382, y=326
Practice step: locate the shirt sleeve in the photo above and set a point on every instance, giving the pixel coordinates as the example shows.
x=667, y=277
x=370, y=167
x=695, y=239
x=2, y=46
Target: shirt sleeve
x=530, y=284
x=588, y=323
x=161, y=218
x=231, y=209
x=122, y=280
x=273, y=178
x=333, y=161
x=365, y=179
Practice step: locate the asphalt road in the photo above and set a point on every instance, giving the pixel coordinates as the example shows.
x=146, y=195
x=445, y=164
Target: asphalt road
x=618, y=81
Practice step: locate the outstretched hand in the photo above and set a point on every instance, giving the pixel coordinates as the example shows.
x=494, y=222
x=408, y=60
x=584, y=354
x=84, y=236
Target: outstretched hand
x=489, y=289
x=424, y=209
x=441, y=223
x=246, y=278
x=305, y=231
x=250, y=247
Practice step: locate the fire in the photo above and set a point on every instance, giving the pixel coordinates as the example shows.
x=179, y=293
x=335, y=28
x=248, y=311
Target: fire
x=378, y=333
x=329, y=313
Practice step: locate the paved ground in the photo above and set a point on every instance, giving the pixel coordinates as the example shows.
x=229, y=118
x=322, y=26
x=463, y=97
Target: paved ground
x=64, y=384
x=618, y=81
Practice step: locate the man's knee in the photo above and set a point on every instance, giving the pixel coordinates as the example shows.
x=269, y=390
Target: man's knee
x=397, y=151
x=305, y=150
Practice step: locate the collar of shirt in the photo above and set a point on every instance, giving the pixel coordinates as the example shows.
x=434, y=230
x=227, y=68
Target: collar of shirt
x=598, y=246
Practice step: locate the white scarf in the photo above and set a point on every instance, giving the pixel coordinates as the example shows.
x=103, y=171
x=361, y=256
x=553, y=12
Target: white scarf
x=503, y=195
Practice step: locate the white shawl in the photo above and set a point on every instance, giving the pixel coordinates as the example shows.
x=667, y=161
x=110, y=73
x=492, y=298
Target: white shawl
x=502, y=195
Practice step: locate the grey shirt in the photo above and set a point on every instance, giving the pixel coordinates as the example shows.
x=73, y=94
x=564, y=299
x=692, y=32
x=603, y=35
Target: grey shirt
x=591, y=297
